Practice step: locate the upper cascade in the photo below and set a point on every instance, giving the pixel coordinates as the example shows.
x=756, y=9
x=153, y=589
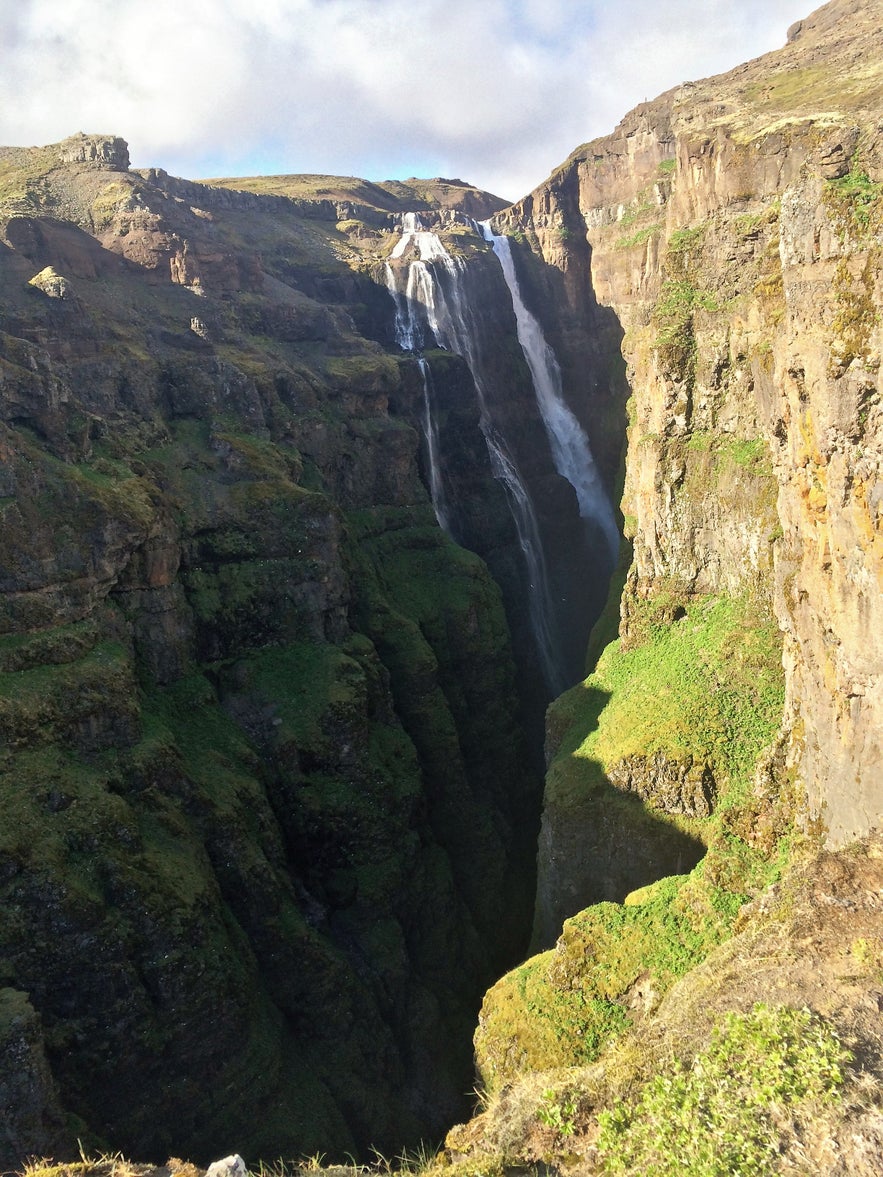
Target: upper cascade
x=438, y=297
x=436, y=302
x=414, y=233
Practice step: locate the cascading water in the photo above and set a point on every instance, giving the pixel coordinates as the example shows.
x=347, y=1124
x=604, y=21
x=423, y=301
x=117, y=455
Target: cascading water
x=430, y=432
x=433, y=299
x=567, y=439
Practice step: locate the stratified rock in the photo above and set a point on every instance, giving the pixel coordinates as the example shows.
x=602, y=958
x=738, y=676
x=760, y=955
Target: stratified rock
x=672, y=786
x=265, y=802
x=106, y=151
x=734, y=229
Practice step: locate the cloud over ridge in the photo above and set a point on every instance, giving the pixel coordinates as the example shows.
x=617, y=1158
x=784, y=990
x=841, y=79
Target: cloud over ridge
x=498, y=93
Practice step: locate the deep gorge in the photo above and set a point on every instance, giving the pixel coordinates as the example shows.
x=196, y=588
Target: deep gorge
x=299, y=589
x=273, y=741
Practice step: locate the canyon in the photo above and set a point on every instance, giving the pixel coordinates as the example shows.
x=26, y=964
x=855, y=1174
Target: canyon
x=310, y=539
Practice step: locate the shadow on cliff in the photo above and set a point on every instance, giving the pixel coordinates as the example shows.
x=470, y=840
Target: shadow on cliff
x=598, y=842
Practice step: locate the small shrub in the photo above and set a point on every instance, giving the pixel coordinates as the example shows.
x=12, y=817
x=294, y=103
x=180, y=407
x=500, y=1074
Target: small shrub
x=557, y=1113
x=673, y=317
x=685, y=240
x=729, y=1111
x=858, y=196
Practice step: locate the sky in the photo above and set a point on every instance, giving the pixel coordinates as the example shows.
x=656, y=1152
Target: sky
x=496, y=92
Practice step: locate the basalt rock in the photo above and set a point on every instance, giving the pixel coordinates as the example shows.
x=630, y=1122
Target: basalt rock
x=31, y=1108
x=107, y=151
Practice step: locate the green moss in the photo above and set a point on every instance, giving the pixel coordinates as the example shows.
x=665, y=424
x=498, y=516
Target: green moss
x=749, y=454
x=563, y=1007
x=858, y=200
x=706, y=688
x=709, y=685
x=641, y=206
x=23, y=183
x=752, y=224
x=673, y=319
x=856, y=315
x=363, y=373
x=63, y=643
x=303, y=680
x=638, y=238
x=687, y=240
x=49, y=702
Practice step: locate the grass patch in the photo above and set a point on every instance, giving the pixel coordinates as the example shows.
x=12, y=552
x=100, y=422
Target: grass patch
x=855, y=200
x=640, y=237
x=562, y=1008
x=709, y=685
x=684, y=241
x=641, y=206
x=750, y=454
x=792, y=88
x=704, y=690
x=673, y=320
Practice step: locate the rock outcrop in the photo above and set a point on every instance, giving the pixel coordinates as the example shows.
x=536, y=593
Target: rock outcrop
x=734, y=228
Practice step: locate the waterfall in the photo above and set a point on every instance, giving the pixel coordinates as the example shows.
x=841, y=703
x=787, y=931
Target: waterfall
x=434, y=300
x=409, y=333
x=430, y=433
x=567, y=439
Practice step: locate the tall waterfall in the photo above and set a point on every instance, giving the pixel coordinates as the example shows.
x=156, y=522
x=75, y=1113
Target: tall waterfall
x=434, y=300
x=570, y=446
x=430, y=433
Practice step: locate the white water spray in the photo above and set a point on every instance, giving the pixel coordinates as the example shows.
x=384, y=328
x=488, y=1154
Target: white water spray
x=430, y=433
x=434, y=297
x=567, y=439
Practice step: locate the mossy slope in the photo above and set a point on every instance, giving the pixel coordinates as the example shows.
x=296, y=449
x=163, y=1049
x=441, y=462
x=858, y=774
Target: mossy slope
x=676, y=725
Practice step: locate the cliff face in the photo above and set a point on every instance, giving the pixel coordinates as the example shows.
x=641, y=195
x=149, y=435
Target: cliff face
x=733, y=227
x=267, y=809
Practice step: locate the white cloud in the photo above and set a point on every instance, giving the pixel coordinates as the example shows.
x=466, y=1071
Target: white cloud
x=497, y=93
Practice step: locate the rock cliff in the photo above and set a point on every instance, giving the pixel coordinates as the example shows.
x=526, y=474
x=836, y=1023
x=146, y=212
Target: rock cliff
x=269, y=734
x=268, y=809
x=732, y=226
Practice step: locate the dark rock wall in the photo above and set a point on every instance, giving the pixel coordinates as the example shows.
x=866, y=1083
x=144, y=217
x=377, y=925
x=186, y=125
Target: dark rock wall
x=268, y=808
